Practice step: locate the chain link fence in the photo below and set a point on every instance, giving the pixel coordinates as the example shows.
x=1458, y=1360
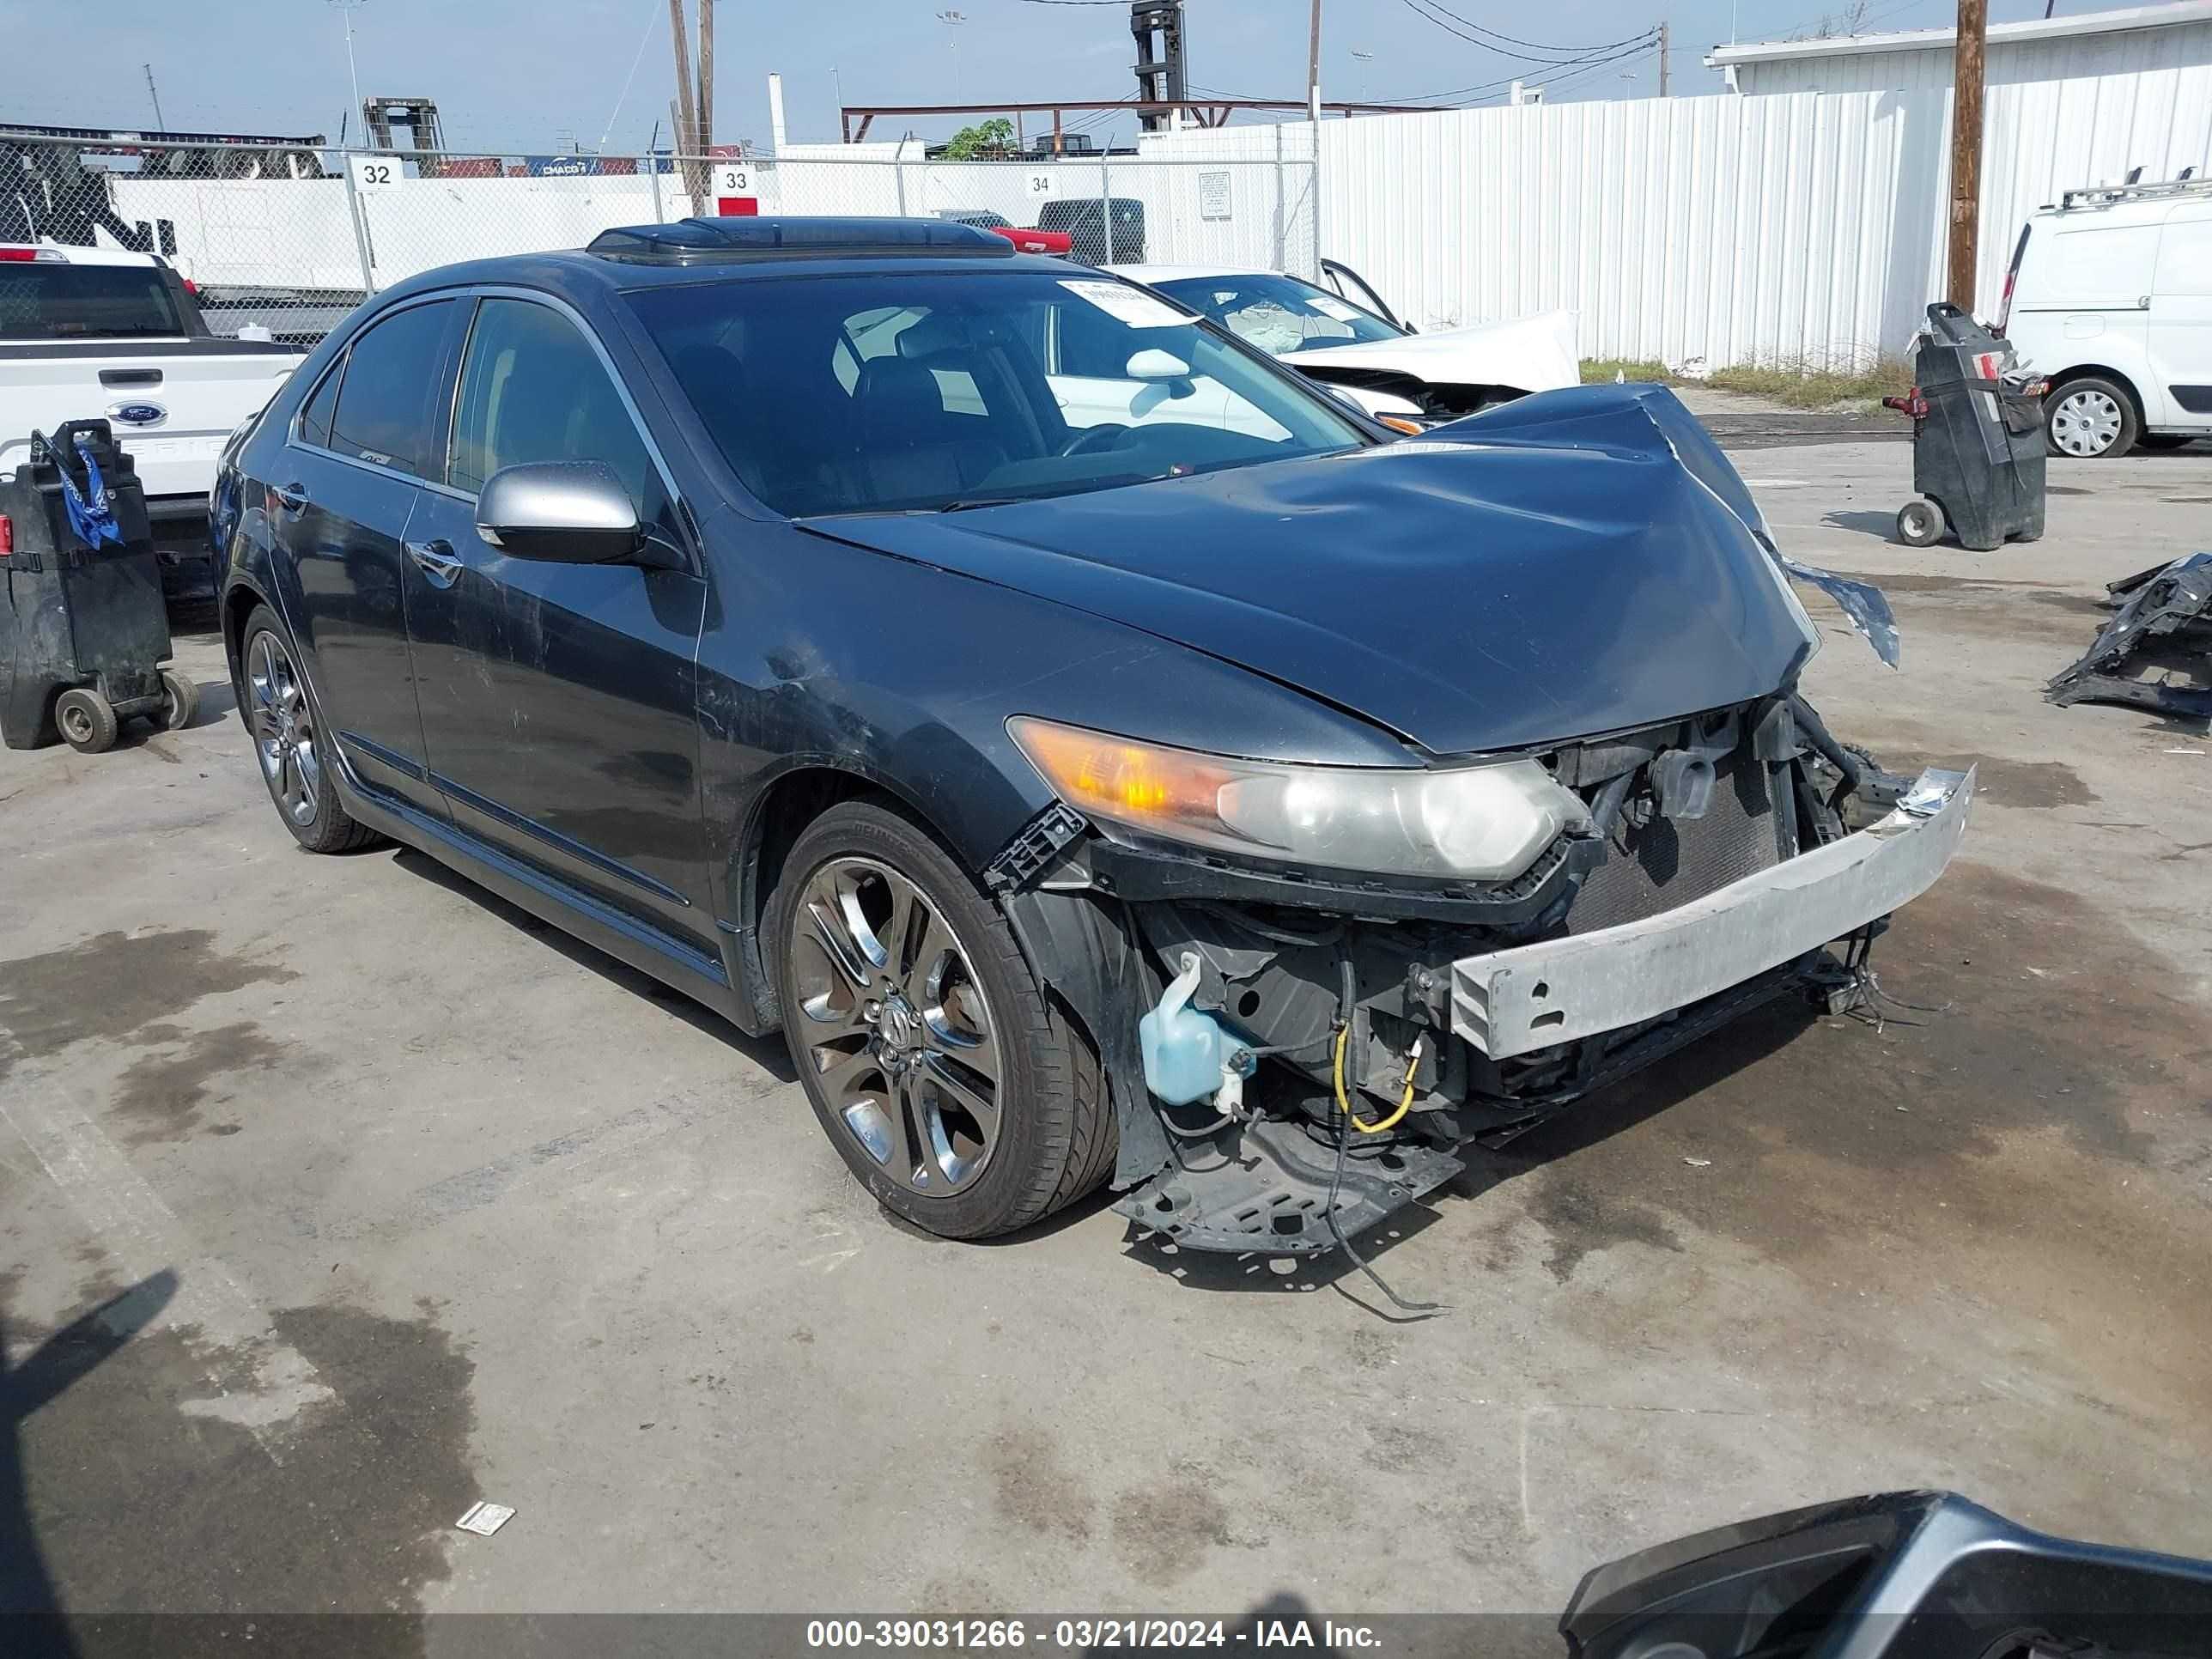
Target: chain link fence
x=284, y=240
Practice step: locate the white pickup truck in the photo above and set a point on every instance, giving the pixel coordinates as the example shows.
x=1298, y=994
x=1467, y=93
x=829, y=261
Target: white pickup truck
x=88, y=333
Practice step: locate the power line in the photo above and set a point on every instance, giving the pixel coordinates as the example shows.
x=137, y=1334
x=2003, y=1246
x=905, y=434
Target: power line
x=1449, y=22
x=1642, y=43
x=1566, y=75
x=1537, y=46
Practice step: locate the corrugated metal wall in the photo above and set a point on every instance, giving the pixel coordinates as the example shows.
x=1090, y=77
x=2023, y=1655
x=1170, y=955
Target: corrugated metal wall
x=1805, y=227
x=1722, y=228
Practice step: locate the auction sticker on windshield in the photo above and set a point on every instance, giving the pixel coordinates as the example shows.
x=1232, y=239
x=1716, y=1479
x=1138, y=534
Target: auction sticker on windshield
x=1132, y=306
x=1336, y=308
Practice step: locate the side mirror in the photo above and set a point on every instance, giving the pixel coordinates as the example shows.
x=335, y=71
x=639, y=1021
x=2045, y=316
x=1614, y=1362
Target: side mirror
x=1159, y=367
x=567, y=511
x=1154, y=364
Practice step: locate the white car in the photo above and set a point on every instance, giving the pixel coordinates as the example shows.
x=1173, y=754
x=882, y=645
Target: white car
x=1362, y=351
x=97, y=333
x=2110, y=296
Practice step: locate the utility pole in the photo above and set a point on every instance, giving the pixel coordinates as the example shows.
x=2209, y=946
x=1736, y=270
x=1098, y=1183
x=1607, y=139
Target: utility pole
x=683, y=113
x=1967, y=150
x=1663, y=55
x=687, y=119
x=706, y=75
x=1313, y=73
x=155, y=93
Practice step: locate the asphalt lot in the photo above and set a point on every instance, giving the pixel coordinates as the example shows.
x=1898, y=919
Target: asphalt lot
x=411, y=1203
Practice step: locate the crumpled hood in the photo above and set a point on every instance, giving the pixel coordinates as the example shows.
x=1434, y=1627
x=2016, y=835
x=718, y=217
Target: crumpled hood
x=1546, y=570
x=1533, y=354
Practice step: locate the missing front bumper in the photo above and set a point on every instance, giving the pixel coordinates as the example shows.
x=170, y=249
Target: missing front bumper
x=1516, y=1001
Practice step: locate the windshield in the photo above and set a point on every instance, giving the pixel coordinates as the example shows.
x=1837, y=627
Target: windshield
x=904, y=392
x=39, y=300
x=1279, y=314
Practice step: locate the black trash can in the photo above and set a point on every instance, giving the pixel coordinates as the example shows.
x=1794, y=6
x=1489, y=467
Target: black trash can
x=1977, y=449
x=83, y=632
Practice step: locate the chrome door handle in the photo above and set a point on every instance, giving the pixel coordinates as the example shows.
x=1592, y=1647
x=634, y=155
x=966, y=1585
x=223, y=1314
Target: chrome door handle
x=292, y=497
x=437, y=561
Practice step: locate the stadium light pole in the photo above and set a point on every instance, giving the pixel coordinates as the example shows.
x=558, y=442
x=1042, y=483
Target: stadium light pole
x=953, y=19
x=346, y=10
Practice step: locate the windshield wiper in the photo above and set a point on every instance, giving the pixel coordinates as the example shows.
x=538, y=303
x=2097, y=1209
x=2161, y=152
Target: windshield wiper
x=962, y=505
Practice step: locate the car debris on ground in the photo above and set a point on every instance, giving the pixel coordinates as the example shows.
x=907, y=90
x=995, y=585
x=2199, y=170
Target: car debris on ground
x=2164, y=622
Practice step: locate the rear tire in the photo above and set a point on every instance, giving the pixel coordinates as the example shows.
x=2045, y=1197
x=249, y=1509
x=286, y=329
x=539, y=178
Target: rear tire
x=86, y=721
x=2090, y=419
x=281, y=716
x=955, y=1092
x=180, y=702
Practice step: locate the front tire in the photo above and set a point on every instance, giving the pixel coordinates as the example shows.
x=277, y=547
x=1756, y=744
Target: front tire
x=86, y=721
x=954, y=1091
x=2091, y=419
x=1920, y=524
x=281, y=715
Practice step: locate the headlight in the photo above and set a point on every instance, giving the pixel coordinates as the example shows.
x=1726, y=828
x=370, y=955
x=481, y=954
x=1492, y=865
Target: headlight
x=1470, y=823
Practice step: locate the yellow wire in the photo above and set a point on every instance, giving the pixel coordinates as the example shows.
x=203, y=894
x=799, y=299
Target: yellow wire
x=1405, y=1101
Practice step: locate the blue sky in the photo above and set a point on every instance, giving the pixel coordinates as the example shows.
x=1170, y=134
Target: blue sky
x=517, y=75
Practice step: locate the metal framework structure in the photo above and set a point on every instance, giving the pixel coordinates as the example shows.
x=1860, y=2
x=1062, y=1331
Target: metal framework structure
x=1204, y=113
x=419, y=116
x=1156, y=27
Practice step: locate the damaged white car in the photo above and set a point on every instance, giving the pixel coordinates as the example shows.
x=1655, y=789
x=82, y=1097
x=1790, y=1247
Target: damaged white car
x=1360, y=349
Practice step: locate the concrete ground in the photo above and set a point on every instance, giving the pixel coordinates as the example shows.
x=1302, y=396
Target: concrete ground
x=402, y=1200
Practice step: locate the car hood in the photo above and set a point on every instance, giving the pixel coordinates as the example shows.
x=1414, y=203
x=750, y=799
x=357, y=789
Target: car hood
x=1572, y=564
x=1528, y=354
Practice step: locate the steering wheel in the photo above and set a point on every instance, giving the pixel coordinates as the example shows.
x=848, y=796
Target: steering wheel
x=1105, y=435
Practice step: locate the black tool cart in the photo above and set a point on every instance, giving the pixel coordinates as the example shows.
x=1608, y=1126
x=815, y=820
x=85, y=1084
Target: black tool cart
x=1977, y=449
x=83, y=631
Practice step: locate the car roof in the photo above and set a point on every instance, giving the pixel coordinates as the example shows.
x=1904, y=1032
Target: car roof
x=581, y=275
x=91, y=256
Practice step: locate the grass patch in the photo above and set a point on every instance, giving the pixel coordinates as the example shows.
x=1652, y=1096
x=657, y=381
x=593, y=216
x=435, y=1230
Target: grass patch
x=1801, y=387
x=1595, y=369
x=1798, y=384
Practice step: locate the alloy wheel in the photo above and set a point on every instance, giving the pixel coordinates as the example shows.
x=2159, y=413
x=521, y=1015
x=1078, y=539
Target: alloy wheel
x=2086, y=423
x=895, y=1025
x=283, y=725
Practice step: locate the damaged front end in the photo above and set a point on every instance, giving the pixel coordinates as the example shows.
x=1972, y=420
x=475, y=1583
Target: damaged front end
x=1298, y=1046
x=1719, y=863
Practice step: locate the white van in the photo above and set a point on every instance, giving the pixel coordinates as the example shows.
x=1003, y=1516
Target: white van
x=2110, y=295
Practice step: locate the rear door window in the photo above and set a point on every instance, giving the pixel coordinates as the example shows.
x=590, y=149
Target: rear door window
x=315, y=418
x=383, y=413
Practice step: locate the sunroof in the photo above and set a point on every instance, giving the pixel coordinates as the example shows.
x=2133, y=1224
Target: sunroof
x=689, y=240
